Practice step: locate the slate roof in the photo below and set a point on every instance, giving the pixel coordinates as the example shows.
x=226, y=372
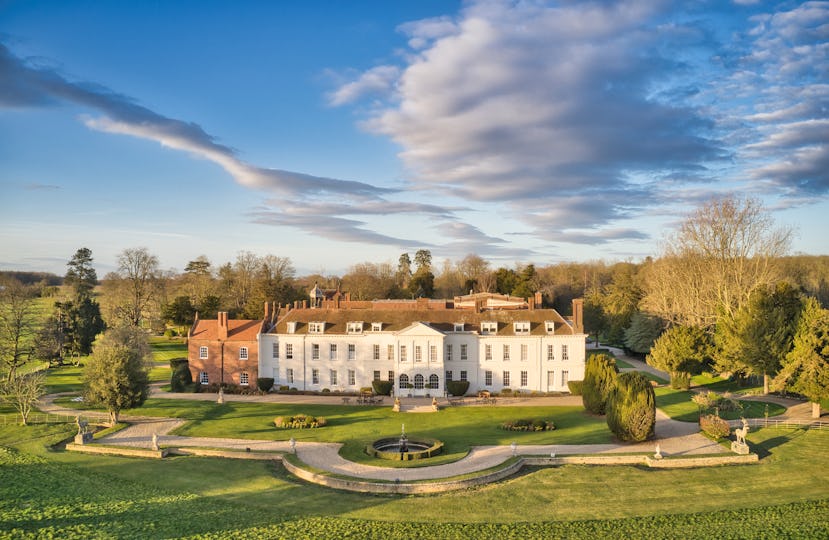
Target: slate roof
x=237, y=330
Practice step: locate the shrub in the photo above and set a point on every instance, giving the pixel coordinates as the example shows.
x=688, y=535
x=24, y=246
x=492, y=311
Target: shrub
x=299, y=421
x=264, y=383
x=382, y=388
x=575, y=387
x=170, y=333
x=600, y=375
x=457, y=388
x=284, y=388
x=531, y=424
x=368, y=389
x=631, y=408
x=181, y=380
x=506, y=392
x=714, y=426
x=325, y=391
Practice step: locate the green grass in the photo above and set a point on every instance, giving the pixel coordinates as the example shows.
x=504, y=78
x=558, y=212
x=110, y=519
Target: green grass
x=45, y=493
x=678, y=405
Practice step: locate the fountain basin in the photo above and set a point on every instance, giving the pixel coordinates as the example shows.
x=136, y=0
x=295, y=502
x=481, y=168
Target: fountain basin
x=390, y=449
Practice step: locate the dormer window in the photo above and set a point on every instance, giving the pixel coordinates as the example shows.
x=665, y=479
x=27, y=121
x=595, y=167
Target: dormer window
x=354, y=327
x=489, y=327
x=521, y=327
x=316, y=327
x=376, y=327
x=550, y=327
x=292, y=327
x=458, y=327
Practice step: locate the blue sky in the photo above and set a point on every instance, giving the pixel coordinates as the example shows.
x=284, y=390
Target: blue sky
x=340, y=132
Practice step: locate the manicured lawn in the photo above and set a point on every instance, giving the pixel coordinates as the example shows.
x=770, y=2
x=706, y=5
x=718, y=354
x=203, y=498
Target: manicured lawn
x=47, y=493
x=720, y=385
x=678, y=405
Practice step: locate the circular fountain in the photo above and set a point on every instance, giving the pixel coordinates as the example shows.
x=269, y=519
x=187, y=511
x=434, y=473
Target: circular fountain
x=404, y=449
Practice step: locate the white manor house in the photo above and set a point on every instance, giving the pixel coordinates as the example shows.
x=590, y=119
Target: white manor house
x=331, y=342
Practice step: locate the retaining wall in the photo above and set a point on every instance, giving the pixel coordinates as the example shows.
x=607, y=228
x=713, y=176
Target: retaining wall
x=116, y=450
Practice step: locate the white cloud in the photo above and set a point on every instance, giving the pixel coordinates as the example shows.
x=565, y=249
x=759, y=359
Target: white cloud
x=376, y=81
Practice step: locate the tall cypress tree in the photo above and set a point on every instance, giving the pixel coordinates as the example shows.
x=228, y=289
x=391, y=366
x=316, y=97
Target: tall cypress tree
x=82, y=313
x=600, y=375
x=631, y=408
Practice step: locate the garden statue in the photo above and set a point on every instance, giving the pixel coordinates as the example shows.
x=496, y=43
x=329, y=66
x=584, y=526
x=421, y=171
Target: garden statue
x=155, y=441
x=221, y=398
x=658, y=453
x=741, y=432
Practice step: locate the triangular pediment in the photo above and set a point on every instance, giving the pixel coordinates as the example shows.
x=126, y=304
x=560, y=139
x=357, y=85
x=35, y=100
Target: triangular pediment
x=419, y=329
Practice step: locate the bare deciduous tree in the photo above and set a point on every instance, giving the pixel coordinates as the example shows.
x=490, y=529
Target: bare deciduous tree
x=17, y=324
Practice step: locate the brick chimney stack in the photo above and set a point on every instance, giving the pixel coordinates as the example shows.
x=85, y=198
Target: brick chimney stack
x=267, y=311
x=578, y=315
x=222, y=327
x=539, y=300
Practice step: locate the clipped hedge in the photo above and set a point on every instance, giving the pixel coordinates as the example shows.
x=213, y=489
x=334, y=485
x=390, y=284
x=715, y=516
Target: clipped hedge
x=529, y=424
x=382, y=388
x=600, y=375
x=575, y=387
x=714, y=426
x=457, y=388
x=181, y=380
x=264, y=383
x=299, y=421
x=631, y=408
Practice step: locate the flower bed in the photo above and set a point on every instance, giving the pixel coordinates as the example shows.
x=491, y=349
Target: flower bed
x=529, y=424
x=299, y=421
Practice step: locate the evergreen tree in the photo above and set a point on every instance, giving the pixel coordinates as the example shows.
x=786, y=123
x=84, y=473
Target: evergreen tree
x=643, y=331
x=631, y=408
x=681, y=351
x=805, y=369
x=117, y=375
x=600, y=374
x=758, y=337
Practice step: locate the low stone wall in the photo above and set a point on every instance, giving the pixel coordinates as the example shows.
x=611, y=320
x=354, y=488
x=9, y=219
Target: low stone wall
x=401, y=488
x=126, y=451
x=603, y=459
x=703, y=461
x=211, y=452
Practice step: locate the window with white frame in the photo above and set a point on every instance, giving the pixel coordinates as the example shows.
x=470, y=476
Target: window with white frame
x=489, y=327
x=506, y=352
x=487, y=378
x=487, y=352
x=464, y=351
x=276, y=376
x=459, y=327
x=315, y=376
x=315, y=351
x=404, y=381
x=244, y=379
x=332, y=375
x=390, y=352
x=434, y=382
x=289, y=351
x=565, y=376
x=289, y=376
x=521, y=327
x=316, y=327
x=243, y=353
x=418, y=354
x=433, y=353
x=202, y=353
x=352, y=377
x=354, y=327
x=292, y=327
x=463, y=375
x=418, y=382
x=505, y=378
x=564, y=356
x=524, y=352
x=352, y=351
x=448, y=352
x=551, y=379
x=524, y=378
x=551, y=352
x=332, y=351
x=376, y=352
x=550, y=327
x=203, y=379
x=275, y=351
x=376, y=375
x=376, y=326
x=449, y=375
x=403, y=353
x=391, y=376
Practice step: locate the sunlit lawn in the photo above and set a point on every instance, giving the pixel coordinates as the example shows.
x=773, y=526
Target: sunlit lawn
x=58, y=494
x=678, y=405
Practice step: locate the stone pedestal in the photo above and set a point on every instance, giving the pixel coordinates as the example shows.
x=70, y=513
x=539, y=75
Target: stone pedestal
x=740, y=448
x=83, y=438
